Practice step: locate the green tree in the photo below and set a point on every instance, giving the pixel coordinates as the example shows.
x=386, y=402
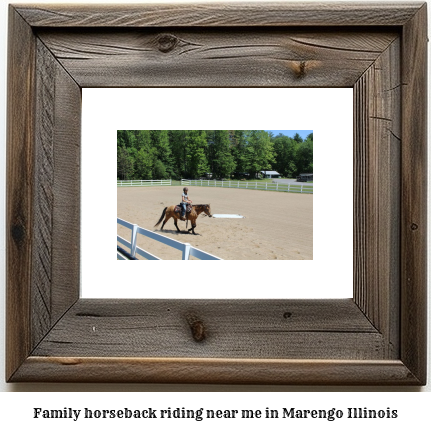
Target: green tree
x=285, y=155
x=293, y=155
x=305, y=157
x=239, y=151
x=297, y=138
x=144, y=162
x=163, y=152
x=125, y=138
x=223, y=160
x=125, y=162
x=177, y=142
x=259, y=152
x=159, y=154
x=196, y=143
x=141, y=139
x=159, y=171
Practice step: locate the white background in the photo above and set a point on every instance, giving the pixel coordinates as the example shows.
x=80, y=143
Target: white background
x=15, y=409
x=411, y=414
x=328, y=112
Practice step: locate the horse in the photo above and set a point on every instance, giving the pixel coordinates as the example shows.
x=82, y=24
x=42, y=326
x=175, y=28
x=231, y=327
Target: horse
x=169, y=212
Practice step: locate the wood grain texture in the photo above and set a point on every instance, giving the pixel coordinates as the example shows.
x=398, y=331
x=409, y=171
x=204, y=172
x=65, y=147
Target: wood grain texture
x=43, y=191
x=378, y=338
x=67, y=199
x=19, y=198
x=211, y=57
x=267, y=329
x=215, y=371
x=414, y=195
x=219, y=15
x=43, y=194
x=55, y=278
x=377, y=146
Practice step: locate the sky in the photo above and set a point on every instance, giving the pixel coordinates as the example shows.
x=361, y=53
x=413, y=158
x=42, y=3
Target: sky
x=291, y=133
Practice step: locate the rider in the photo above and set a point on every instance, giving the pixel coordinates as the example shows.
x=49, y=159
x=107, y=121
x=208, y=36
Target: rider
x=184, y=201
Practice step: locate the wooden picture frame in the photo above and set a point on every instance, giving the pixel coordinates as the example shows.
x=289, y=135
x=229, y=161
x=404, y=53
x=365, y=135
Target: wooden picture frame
x=378, y=337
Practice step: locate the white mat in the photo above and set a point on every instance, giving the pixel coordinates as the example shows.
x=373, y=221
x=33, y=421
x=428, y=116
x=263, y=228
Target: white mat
x=227, y=216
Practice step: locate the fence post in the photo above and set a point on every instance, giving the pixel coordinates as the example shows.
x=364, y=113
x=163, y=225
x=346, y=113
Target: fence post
x=133, y=240
x=302, y=185
x=277, y=187
x=186, y=251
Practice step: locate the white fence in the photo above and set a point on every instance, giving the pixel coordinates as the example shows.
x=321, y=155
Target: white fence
x=186, y=249
x=143, y=183
x=252, y=185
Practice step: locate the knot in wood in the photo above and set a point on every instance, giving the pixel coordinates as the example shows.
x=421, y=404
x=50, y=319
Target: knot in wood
x=414, y=226
x=18, y=233
x=300, y=69
x=197, y=328
x=167, y=42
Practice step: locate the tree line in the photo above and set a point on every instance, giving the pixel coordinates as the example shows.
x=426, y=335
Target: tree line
x=162, y=154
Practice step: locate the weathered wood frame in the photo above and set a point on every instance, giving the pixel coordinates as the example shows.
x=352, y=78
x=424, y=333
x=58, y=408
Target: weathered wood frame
x=378, y=337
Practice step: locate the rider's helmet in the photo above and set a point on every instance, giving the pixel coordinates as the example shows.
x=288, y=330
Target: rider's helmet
x=185, y=189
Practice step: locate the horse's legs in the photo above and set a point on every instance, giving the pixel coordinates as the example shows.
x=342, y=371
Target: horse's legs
x=176, y=225
x=193, y=229
x=164, y=222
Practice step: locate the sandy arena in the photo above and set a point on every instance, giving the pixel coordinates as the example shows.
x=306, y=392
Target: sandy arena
x=277, y=225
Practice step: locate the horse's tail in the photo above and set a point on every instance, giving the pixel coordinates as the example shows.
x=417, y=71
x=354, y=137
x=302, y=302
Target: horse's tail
x=161, y=218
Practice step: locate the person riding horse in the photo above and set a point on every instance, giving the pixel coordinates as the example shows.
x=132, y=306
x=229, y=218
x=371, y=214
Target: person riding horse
x=184, y=201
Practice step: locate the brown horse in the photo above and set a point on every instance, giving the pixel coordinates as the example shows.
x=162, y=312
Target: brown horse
x=169, y=212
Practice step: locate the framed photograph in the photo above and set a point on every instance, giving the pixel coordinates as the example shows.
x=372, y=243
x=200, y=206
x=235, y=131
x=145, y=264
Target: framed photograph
x=377, y=337
x=277, y=244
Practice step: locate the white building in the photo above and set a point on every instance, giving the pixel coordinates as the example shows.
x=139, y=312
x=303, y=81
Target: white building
x=270, y=174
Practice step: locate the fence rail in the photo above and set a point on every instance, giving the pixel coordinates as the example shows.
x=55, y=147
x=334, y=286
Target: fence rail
x=186, y=249
x=143, y=183
x=252, y=185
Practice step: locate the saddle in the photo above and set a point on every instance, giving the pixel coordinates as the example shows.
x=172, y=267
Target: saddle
x=178, y=208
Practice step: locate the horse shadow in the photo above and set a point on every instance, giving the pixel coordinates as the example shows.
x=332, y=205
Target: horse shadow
x=181, y=232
